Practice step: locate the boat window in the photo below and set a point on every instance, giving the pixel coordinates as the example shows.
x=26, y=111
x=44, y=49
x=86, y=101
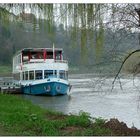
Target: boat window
x=19, y=59
x=62, y=74
x=55, y=73
x=58, y=55
x=16, y=76
x=23, y=76
x=25, y=58
x=26, y=75
x=31, y=75
x=48, y=73
x=49, y=55
x=36, y=55
x=66, y=74
x=40, y=55
x=38, y=74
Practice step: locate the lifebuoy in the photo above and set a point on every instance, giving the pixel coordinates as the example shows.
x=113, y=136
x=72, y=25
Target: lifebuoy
x=48, y=88
x=58, y=88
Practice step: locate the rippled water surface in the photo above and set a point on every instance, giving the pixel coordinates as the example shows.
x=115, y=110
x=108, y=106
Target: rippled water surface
x=93, y=94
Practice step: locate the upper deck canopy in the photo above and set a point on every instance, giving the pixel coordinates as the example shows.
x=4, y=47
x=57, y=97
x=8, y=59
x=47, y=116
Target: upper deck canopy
x=31, y=54
x=39, y=50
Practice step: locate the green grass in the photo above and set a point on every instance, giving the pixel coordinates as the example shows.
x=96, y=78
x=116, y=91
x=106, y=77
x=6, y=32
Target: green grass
x=5, y=69
x=19, y=117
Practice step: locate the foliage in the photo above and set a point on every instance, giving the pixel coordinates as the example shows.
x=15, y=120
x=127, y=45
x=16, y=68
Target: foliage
x=99, y=121
x=75, y=121
x=89, y=33
x=115, y=44
x=81, y=17
x=20, y=117
x=4, y=69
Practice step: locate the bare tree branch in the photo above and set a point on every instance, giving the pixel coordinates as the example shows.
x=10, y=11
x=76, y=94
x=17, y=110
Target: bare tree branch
x=122, y=66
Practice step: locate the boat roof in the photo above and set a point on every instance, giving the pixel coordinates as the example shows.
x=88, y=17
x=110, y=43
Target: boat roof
x=38, y=49
x=41, y=49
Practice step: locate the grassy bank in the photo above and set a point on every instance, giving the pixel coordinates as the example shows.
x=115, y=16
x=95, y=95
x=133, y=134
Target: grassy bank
x=5, y=70
x=19, y=117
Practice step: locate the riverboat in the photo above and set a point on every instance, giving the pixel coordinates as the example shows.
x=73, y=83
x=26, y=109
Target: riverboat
x=41, y=71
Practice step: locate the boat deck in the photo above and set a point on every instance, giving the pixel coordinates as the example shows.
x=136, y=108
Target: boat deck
x=7, y=86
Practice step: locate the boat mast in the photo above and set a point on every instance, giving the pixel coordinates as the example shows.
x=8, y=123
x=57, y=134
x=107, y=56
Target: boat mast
x=53, y=57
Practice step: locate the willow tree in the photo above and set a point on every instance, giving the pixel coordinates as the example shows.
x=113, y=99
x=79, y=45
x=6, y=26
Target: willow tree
x=84, y=21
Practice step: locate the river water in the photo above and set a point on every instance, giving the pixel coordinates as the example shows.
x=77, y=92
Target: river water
x=95, y=95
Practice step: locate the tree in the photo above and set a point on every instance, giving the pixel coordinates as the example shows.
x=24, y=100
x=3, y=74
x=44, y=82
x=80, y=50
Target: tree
x=86, y=22
x=81, y=17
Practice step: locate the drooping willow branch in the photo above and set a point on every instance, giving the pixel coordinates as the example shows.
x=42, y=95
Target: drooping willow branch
x=122, y=66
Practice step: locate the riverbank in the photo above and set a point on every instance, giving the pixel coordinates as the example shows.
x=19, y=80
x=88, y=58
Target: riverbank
x=5, y=70
x=19, y=117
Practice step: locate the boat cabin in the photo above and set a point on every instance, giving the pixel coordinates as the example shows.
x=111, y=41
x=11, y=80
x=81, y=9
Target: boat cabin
x=24, y=60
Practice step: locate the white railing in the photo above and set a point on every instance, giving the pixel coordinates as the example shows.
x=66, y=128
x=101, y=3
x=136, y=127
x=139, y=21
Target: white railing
x=42, y=61
x=34, y=61
x=61, y=61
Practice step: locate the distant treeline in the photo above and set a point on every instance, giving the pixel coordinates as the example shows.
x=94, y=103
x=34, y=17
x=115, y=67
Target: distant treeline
x=17, y=35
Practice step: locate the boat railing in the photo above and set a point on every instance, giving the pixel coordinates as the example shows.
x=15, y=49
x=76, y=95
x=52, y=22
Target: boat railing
x=42, y=61
x=61, y=61
x=6, y=81
x=33, y=62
